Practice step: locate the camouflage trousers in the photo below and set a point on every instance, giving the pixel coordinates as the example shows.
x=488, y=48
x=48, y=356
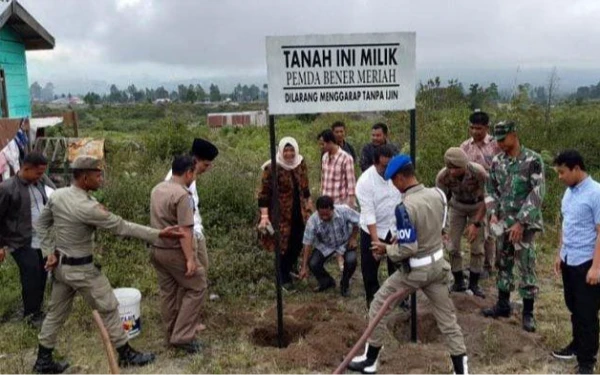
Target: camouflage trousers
x=524, y=257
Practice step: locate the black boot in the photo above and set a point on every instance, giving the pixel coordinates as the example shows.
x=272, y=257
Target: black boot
x=474, y=285
x=192, y=347
x=345, y=288
x=366, y=363
x=459, y=362
x=128, y=356
x=45, y=364
x=459, y=282
x=528, y=319
x=501, y=308
x=585, y=368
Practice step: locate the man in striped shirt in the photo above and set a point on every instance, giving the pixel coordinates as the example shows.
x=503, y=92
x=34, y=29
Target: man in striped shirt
x=578, y=258
x=480, y=149
x=337, y=171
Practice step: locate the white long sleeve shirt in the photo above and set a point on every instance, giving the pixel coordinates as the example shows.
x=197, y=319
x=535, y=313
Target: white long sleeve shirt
x=378, y=199
x=198, y=228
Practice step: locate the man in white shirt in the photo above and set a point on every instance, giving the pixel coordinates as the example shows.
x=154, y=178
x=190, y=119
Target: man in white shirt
x=378, y=199
x=204, y=153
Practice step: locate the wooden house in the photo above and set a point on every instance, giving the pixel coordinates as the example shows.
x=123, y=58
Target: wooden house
x=19, y=32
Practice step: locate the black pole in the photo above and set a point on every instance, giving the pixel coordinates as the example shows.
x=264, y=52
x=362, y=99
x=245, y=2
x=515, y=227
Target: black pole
x=275, y=223
x=413, y=156
x=413, y=136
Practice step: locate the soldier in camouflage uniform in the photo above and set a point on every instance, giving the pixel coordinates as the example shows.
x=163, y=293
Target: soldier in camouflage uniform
x=515, y=191
x=463, y=183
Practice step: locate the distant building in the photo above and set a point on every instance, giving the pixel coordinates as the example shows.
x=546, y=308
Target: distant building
x=162, y=101
x=238, y=119
x=73, y=100
x=76, y=100
x=19, y=32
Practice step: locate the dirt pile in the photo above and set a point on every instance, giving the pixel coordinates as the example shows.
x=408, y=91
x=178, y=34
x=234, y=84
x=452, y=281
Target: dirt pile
x=497, y=343
x=266, y=334
x=318, y=335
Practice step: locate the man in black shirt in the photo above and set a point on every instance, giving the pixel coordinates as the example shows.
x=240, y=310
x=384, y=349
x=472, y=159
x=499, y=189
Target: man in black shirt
x=379, y=134
x=22, y=197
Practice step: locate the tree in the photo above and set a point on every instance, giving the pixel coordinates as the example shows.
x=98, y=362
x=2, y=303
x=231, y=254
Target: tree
x=476, y=96
x=182, y=92
x=522, y=98
x=132, y=91
x=552, y=88
x=253, y=93
x=200, y=93
x=91, y=98
x=491, y=93
x=433, y=95
x=139, y=96
x=150, y=95
x=35, y=90
x=238, y=93
x=115, y=95
x=191, y=96
x=215, y=93
x=539, y=95
x=161, y=93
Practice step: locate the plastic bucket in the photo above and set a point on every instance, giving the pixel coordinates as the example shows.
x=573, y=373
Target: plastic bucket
x=129, y=310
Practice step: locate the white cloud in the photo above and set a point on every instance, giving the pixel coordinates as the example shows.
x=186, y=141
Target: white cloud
x=204, y=38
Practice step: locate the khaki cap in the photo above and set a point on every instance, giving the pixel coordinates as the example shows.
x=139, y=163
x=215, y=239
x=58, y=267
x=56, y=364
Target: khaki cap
x=87, y=163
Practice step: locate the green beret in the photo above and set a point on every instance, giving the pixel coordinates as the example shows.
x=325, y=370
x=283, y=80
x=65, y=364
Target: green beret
x=503, y=128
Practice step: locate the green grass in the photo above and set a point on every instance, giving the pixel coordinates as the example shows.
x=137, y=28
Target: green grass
x=140, y=142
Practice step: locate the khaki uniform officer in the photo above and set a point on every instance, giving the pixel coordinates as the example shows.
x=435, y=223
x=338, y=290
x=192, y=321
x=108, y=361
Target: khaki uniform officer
x=204, y=153
x=464, y=185
x=419, y=221
x=66, y=227
x=181, y=278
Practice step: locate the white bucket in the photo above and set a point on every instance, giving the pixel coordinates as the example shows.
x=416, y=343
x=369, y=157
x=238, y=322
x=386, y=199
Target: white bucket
x=129, y=310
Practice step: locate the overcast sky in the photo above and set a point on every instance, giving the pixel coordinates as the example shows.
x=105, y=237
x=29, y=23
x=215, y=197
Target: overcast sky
x=140, y=40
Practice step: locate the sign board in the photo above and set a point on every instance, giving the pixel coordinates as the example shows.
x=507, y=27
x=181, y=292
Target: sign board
x=341, y=73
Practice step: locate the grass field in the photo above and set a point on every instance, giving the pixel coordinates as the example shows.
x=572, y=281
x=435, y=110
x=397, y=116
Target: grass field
x=140, y=141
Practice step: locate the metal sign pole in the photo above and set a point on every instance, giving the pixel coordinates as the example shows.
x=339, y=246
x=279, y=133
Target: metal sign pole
x=275, y=222
x=413, y=156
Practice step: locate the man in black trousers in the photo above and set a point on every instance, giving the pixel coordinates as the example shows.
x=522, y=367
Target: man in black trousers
x=578, y=259
x=378, y=199
x=22, y=198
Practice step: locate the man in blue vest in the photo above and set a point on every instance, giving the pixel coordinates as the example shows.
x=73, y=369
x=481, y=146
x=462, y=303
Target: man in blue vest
x=420, y=219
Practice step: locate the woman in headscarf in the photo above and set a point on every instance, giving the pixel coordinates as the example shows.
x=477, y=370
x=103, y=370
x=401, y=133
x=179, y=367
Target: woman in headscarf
x=295, y=205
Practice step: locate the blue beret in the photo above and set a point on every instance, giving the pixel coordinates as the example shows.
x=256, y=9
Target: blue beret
x=398, y=162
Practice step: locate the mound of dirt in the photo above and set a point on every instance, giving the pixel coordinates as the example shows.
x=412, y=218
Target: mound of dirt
x=267, y=333
x=318, y=334
x=500, y=343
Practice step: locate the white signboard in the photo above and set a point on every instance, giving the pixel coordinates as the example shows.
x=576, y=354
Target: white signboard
x=341, y=73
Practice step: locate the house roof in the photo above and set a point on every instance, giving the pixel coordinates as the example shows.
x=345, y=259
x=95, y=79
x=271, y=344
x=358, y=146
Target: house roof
x=35, y=37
